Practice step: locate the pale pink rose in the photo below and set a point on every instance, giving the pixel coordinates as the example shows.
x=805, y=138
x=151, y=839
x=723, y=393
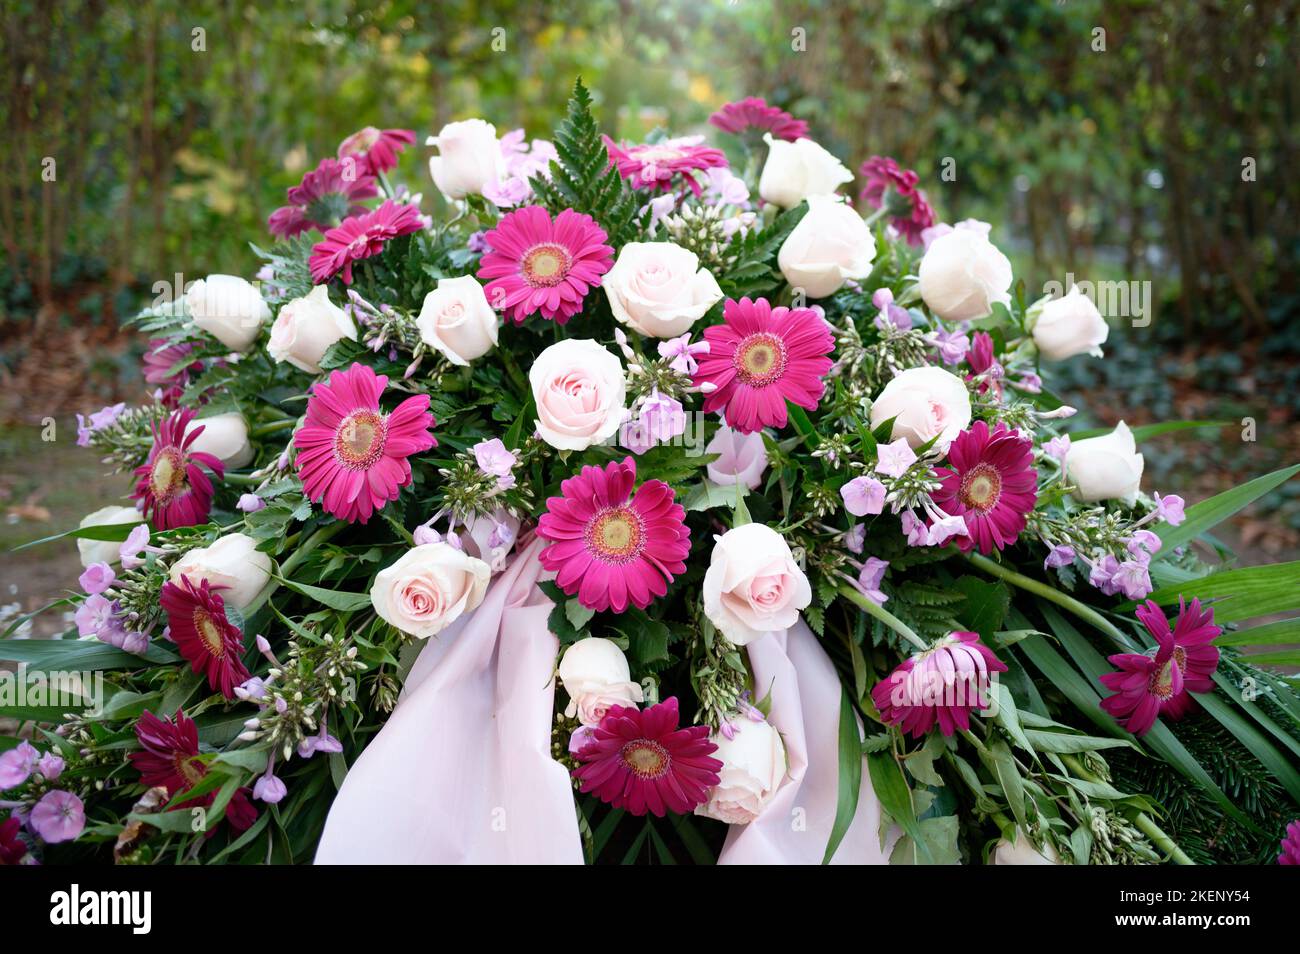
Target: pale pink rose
x=595, y=674
x=579, y=390
x=457, y=320
x=753, y=768
x=305, y=329
x=925, y=403
x=429, y=588
x=659, y=289
x=753, y=585
x=742, y=458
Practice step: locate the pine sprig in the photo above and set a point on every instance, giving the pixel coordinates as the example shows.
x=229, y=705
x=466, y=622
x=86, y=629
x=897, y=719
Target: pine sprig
x=584, y=179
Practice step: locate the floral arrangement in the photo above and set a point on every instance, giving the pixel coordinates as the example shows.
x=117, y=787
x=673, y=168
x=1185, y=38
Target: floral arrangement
x=743, y=438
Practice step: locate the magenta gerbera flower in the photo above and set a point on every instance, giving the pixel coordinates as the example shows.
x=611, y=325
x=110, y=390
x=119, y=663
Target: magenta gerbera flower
x=1148, y=687
x=944, y=684
x=990, y=483
x=361, y=237
x=538, y=265
x=887, y=183
x=171, y=760
x=753, y=112
x=175, y=490
x=654, y=165
x=761, y=357
x=640, y=761
x=609, y=549
x=13, y=850
x=164, y=365
x=352, y=457
x=326, y=195
x=206, y=639
x=1290, y=854
x=376, y=149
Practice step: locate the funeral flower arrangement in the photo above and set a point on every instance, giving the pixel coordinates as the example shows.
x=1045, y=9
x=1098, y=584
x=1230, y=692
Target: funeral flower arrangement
x=723, y=401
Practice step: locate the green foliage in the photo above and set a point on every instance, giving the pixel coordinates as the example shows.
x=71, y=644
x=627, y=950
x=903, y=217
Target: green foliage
x=752, y=256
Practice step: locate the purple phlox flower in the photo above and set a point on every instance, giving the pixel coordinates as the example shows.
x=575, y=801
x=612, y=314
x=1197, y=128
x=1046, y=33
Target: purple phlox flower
x=863, y=496
x=658, y=420
x=322, y=742
x=952, y=345
x=870, y=577
x=136, y=542
x=252, y=690
x=496, y=460
x=1133, y=578
x=97, y=578
x=856, y=538
x=269, y=787
x=1057, y=448
x=1170, y=509
x=891, y=315
x=1060, y=555
x=94, y=615
x=893, y=459
x=682, y=353
x=1102, y=575
x=58, y=817
x=250, y=503
x=914, y=527
x=17, y=764
x=1143, y=545
x=1030, y=382
x=50, y=766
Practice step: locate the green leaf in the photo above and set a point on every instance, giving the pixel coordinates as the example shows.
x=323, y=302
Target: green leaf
x=109, y=532
x=80, y=655
x=1277, y=764
x=334, y=599
x=1066, y=742
x=892, y=790
x=850, y=776
x=1209, y=513
x=577, y=614
x=706, y=495
x=1282, y=631
x=1289, y=657
x=985, y=607
x=1239, y=594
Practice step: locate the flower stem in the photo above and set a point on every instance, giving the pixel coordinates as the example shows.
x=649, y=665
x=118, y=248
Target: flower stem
x=1051, y=593
x=882, y=614
x=272, y=427
x=1161, y=840
x=294, y=561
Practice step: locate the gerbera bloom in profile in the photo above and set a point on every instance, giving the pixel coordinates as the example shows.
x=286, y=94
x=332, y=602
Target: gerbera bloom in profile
x=352, y=457
x=944, y=684
x=1147, y=687
x=376, y=149
x=360, y=237
x=982, y=360
x=326, y=196
x=991, y=483
x=653, y=165
x=761, y=357
x=611, y=547
x=206, y=639
x=171, y=760
x=1290, y=845
x=535, y=264
x=640, y=761
x=753, y=112
x=175, y=490
x=163, y=368
x=888, y=184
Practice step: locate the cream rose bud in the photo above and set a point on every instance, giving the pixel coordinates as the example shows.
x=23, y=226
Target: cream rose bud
x=469, y=158
x=429, y=588
x=579, y=389
x=796, y=170
x=232, y=565
x=925, y=403
x=595, y=674
x=753, y=767
x=457, y=320
x=1023, y=852
x=224, y=436
x=963, y=274
x=306, y=327
x=753, y=586
x=659, y=289
x=228, y=308
x=1105, y=468
x=830, y=245
x=1068, y=326
x=105, y=551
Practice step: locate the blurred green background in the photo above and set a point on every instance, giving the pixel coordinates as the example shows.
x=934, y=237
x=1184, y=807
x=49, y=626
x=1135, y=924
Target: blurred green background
x=1136, y=140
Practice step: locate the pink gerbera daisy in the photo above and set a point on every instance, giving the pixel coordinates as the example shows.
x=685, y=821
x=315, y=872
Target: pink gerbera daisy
x=888, y=184
x=653, y=165
x=753, y=112
x=609, y=549
x=944, y=684
x=376, y=149
x=640, y=761
x=761, y=357
x=351, y=455
x=1147, y=687
x=206, y=639
x=175, y=490
x=991, y=483
x=164, y=365
x=361, y=237
x=1290, y=854
x=325, y=196
x=538, y=265
x=13, y=850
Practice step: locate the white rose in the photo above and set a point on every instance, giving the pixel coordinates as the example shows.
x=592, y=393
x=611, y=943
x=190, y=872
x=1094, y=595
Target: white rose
x=753, y=586
x=796, y=170
x=1105, y=468
x=595, y=674
x=429, y=588
x=1023, y=852
x=228, y=308
x=457, y=320
x=306, y=327
x=963, y=274
x=659, y=289
x=233, y=563
x=469, y=158
x=830, y=245
x=753, y=767
x=224, y=436
x=104, y=551
x=924, y=402
x=579, y=390
x=1069, y=326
